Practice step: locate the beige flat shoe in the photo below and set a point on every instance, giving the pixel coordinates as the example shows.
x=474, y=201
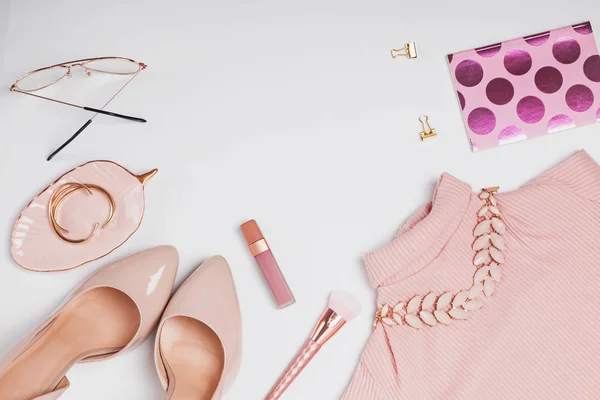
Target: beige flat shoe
x=199, y=341
x=113, y=311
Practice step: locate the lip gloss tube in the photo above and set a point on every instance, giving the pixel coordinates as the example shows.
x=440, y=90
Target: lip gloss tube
x=268, y=265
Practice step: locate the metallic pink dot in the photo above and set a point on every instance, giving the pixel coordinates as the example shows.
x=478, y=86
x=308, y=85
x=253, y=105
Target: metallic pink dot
x=511, y=134
x=579, y=98
x=538, y=39
x=548, y=80
x=450, y=57
x=482, y=121
x=591, y=68
x=469, y=73
x=500, y=91
x=598, y=115
x=559, y=123
x=489, y=51
x=566, y=50
x=517, y=62
x=462, y=100
x=584, y=28
x=531, y=109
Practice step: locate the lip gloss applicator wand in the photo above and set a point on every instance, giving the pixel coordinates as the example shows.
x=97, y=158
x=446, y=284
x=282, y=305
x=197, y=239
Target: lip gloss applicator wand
x=342, y=308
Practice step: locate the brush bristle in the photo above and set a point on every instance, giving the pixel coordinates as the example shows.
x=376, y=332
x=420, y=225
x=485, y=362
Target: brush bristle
x=344, y=304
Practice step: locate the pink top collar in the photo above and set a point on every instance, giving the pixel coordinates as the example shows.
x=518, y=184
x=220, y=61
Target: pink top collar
x=424, y=235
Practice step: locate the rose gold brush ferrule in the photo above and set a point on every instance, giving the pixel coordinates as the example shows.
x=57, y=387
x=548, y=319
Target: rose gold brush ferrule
x=329, y=324
x=304, y=356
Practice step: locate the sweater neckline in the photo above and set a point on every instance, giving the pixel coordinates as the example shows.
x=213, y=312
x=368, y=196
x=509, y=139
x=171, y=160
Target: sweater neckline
x=423, y=235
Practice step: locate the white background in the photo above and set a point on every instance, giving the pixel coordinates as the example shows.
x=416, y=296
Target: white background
x=292, y=113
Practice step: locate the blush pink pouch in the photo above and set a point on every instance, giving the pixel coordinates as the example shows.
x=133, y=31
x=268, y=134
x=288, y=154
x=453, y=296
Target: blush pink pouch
x=528, y=87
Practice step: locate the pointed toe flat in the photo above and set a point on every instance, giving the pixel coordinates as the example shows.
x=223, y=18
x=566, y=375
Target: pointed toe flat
x=112, y=311
x=199, y=340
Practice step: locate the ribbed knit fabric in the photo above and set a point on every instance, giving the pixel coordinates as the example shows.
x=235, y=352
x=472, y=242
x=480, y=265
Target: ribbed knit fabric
x=537, y=337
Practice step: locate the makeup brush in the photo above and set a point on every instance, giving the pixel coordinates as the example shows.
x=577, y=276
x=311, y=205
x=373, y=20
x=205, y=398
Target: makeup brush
x=342, y=308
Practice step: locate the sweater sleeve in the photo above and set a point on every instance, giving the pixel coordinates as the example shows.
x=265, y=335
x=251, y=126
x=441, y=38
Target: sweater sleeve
x=362, y=386
x=579, y=174
x=375, y=377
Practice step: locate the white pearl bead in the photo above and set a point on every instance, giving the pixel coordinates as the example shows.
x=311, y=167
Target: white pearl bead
x=497, y=241
x=413, y=321
x=443, y=317
x=482, y=242
x=458, y=313
x=481, y=257
x=428, y=318
x=482, y=227
x=496, y=255
x=498, y=225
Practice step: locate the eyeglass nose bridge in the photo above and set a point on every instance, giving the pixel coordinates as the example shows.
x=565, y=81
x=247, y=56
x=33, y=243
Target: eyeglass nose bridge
x=86, y=70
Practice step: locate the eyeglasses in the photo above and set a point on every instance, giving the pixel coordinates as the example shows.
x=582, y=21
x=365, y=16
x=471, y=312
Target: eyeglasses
x=42, y=78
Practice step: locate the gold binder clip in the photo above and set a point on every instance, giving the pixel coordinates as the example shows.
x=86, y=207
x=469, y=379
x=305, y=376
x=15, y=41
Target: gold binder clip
x=428, y=131
x=408, y=51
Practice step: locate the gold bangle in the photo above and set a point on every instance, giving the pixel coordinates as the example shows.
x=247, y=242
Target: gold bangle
x=65, y=191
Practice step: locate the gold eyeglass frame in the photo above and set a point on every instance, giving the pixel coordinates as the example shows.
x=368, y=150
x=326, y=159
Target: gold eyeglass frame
x=68, y=65
x=84, y=63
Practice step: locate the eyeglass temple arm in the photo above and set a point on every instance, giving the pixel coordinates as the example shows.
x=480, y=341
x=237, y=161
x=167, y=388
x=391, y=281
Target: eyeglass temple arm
x=112, y=114
x=96, y=110
x=65, y=144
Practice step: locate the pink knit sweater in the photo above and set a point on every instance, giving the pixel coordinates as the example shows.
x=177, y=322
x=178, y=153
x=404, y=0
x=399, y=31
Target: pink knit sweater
x=536, y=336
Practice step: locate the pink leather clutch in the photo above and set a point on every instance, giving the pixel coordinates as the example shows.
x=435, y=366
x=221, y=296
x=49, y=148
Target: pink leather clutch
x=528, y=87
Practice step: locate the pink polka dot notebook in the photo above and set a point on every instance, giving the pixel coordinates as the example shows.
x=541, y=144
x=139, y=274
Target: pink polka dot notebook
x=528, y=87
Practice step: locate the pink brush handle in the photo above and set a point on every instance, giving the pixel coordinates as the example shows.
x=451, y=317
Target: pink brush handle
x=302, y=359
